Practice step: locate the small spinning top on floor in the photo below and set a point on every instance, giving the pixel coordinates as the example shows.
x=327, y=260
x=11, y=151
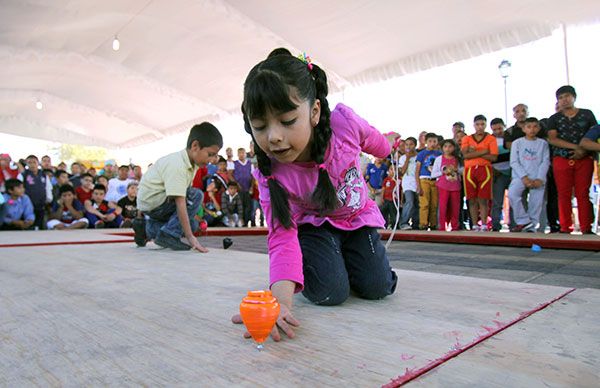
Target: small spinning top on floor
x=259, y=311
x=227, y=242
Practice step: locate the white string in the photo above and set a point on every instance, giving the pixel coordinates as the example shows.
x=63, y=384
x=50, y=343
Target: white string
x=395, y=197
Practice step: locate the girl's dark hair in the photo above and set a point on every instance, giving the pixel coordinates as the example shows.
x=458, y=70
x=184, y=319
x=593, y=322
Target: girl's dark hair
x=279, y=51
x=267, y=89
x=456, y=152
x=411, y=139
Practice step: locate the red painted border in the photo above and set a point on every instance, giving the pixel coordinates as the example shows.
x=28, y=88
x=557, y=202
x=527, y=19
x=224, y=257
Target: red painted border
x=512, y=240
x=410, y=375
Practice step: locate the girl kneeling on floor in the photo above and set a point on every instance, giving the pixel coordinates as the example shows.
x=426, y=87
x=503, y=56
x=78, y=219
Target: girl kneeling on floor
x=323, y=239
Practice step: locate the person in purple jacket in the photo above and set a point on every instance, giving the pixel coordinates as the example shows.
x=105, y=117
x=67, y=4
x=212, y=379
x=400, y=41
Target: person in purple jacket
x=323, y=238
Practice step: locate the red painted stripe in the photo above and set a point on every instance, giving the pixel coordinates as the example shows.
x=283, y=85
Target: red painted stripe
x=511, y=240
x=410, y=375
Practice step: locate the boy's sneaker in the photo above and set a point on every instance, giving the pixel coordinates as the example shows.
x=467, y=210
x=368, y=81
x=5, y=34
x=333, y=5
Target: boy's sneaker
x=99, y=225
x=475, y=228
x=167, y=241
x=139, y=232
x=529, y=228
x=405, y=227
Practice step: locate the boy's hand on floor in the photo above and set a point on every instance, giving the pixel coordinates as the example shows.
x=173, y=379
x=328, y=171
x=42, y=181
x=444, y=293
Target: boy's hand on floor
x=196, y=245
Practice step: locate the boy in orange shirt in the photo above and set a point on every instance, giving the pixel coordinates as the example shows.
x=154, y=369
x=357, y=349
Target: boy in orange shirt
x=479, y=151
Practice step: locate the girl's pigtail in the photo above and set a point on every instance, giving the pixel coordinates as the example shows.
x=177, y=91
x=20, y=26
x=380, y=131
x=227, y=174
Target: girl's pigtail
x=325, y=195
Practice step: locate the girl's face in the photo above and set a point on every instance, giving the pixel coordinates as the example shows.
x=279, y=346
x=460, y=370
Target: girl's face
x=448, y=149
x=286, y=136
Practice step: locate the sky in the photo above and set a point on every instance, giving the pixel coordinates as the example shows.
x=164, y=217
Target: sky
x=431, y=100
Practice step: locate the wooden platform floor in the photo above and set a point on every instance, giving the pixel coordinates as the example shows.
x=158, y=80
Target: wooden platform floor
x=112, y=314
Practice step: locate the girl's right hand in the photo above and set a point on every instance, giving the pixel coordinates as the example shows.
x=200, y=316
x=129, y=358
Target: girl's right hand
x=286, y=322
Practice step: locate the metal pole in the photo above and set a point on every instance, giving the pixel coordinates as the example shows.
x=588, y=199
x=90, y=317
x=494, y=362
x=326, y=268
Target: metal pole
x=566, y=50
x=505, y=103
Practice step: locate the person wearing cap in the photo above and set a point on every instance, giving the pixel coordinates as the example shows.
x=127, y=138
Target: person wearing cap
x=8, y=170
x=573, y=165
x=109, y=171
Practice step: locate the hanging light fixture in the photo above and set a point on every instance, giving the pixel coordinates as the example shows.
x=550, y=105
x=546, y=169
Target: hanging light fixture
x=116, y=45
x=39, y=105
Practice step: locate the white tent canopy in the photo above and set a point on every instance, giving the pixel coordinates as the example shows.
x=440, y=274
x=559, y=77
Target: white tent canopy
x=184, y=61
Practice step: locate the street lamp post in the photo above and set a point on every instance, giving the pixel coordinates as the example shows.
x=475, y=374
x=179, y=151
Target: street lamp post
x=504, y=68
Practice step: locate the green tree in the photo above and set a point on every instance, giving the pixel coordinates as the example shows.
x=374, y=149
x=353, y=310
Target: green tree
x=76, y=152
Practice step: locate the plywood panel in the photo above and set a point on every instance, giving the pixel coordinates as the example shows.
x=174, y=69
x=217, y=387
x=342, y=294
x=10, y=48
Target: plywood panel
x=118, y=315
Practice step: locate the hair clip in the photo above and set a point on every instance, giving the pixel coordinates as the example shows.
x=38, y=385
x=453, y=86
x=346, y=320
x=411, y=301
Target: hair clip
x=306, y=59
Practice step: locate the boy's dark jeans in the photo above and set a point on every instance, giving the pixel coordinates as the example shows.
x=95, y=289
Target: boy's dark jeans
x=165, y=217
x=337, y=261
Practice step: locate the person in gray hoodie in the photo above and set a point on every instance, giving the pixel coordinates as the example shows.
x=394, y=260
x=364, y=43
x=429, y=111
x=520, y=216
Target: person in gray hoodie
x=529, y=160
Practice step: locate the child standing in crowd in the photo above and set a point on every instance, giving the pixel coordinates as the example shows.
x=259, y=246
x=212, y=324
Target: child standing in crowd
x=390, y=196
x=426, y=187
x=231, y=206
x=255, y=195
x=446, y=170
x=502, y=174
x=222, y=169
x=323, y=237
x=38, y=188
x=101, y=213
x=479, y=151
x=165, y=195
x=242, y=174
x=67, y=211
x=117, y=187
x=529, y=160
x=129, y=205
x=376, y=173
x=407, y=171
x=84, y=192
x=18, y=209
x=573, y=166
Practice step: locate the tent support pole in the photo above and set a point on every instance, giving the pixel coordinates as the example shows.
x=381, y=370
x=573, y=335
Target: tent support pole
x=566, y=51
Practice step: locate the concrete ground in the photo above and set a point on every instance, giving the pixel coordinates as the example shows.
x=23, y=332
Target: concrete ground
x=566, y=268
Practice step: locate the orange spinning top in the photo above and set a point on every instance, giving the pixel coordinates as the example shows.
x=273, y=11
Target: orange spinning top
x=259, y=311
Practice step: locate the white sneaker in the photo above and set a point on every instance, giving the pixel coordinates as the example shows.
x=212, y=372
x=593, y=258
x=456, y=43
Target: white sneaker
x=475, y=228
x=530, y=228
x=406, y=227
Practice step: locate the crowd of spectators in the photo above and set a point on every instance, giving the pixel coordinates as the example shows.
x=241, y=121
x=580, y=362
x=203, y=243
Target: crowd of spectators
x=534, y=176
x=522, y=178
